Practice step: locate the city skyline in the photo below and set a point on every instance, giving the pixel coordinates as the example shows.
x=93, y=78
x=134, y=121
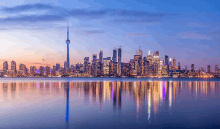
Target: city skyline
x=188, y=35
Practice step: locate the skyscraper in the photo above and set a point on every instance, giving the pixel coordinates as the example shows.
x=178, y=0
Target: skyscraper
x=139, y=52
x=32, y=70
x=179, y=68
x=65, y=65
x=114, y=58
x=5, y=66
x=156, y=53
x=94, y=65
x=68, y=42
x=100, y=56
x=57, y=67
x=166, y=60
x=13, y=65
x=192, y=68
x=119, y=62
x=174, y=62
x=100, y=63
x=209, y=69
x=106, y=66
x=86, y=65
x=216, y=70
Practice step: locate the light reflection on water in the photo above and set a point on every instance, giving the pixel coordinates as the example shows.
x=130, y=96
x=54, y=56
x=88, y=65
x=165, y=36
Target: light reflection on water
x=113, y=103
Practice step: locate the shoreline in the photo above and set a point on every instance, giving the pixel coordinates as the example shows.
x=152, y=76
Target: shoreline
x=99, y=79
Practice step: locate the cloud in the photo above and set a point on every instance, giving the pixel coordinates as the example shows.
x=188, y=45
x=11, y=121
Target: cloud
x=27, y=7
x=55, y=13
x=34, y=18
x=193, y=35
x=140, y=34
x=89, y=32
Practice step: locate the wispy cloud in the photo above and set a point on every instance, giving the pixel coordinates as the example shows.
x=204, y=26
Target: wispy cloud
x=55, y=13
x=34, y=18
x=27, y=7
x=193, y=35
x=140, y=34
x=90, y=32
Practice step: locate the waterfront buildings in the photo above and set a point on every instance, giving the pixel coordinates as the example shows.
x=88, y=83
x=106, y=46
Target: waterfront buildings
x=140, y=66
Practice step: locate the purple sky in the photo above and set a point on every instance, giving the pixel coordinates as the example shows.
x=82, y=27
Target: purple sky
x=34, y=29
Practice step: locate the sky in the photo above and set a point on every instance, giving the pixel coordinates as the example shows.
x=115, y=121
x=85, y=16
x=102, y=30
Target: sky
x=34, y=29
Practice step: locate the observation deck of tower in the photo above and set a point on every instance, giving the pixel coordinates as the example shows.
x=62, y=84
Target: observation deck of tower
x=68, y=42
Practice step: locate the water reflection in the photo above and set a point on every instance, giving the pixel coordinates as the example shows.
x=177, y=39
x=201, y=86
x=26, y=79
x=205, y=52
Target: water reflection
x=148, y=96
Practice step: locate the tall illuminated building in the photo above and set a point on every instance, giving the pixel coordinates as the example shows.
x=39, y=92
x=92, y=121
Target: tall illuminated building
x=65, y=65
x=86, y=65
x=209, y=69
x=68, y=42
x=216, y=70
x=170, y=62
x=192, y=68
x=139, y=52
x=32, y=70
x=174, y=62
x=5, y=66
x=94, y=65
x=13, y=65
x=156, y=63
x=57, y=67
x=119, y=62
x=137, y=65
x=22, y=67
x=156, y=53
x=166, y=60
x=114, y=58
x=100, y=56
x=100, y=63
x=106, y=66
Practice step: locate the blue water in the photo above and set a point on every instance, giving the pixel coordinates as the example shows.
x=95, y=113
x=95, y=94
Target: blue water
x=82, y=103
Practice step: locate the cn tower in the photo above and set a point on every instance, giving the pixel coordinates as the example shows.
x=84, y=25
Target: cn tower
x=67, y=43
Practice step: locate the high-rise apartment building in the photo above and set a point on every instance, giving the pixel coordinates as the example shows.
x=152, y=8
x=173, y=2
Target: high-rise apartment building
x=119, y=62
x=156, y=53
x=41, y=71
x=114, y=58
x=32, y=70
x=125, y=69
x=139, y=52
x=47, y=71
x=13, y=65
x=86, y=65
x=208, y=69
x=94, y=65
x=5, y=67
x=65, y=65
x=192, y=68
x=216, y=70
x=166, y=60
x=100, y=63
x=57, y=66
x=106, y=66
x=174, y=62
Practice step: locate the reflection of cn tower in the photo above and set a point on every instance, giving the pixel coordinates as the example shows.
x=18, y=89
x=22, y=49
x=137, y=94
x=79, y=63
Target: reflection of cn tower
x=67, y=104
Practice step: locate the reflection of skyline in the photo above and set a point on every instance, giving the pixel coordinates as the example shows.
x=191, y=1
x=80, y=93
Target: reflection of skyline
x=149, y=96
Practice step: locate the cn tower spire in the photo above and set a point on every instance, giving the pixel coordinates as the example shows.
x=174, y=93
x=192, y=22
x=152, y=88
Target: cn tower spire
x=67, y=43
x=68, y=31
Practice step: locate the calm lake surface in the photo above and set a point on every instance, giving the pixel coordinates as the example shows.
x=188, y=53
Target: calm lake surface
x=109, y=103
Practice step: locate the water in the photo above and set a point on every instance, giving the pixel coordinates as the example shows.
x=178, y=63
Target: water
x=109, y=103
